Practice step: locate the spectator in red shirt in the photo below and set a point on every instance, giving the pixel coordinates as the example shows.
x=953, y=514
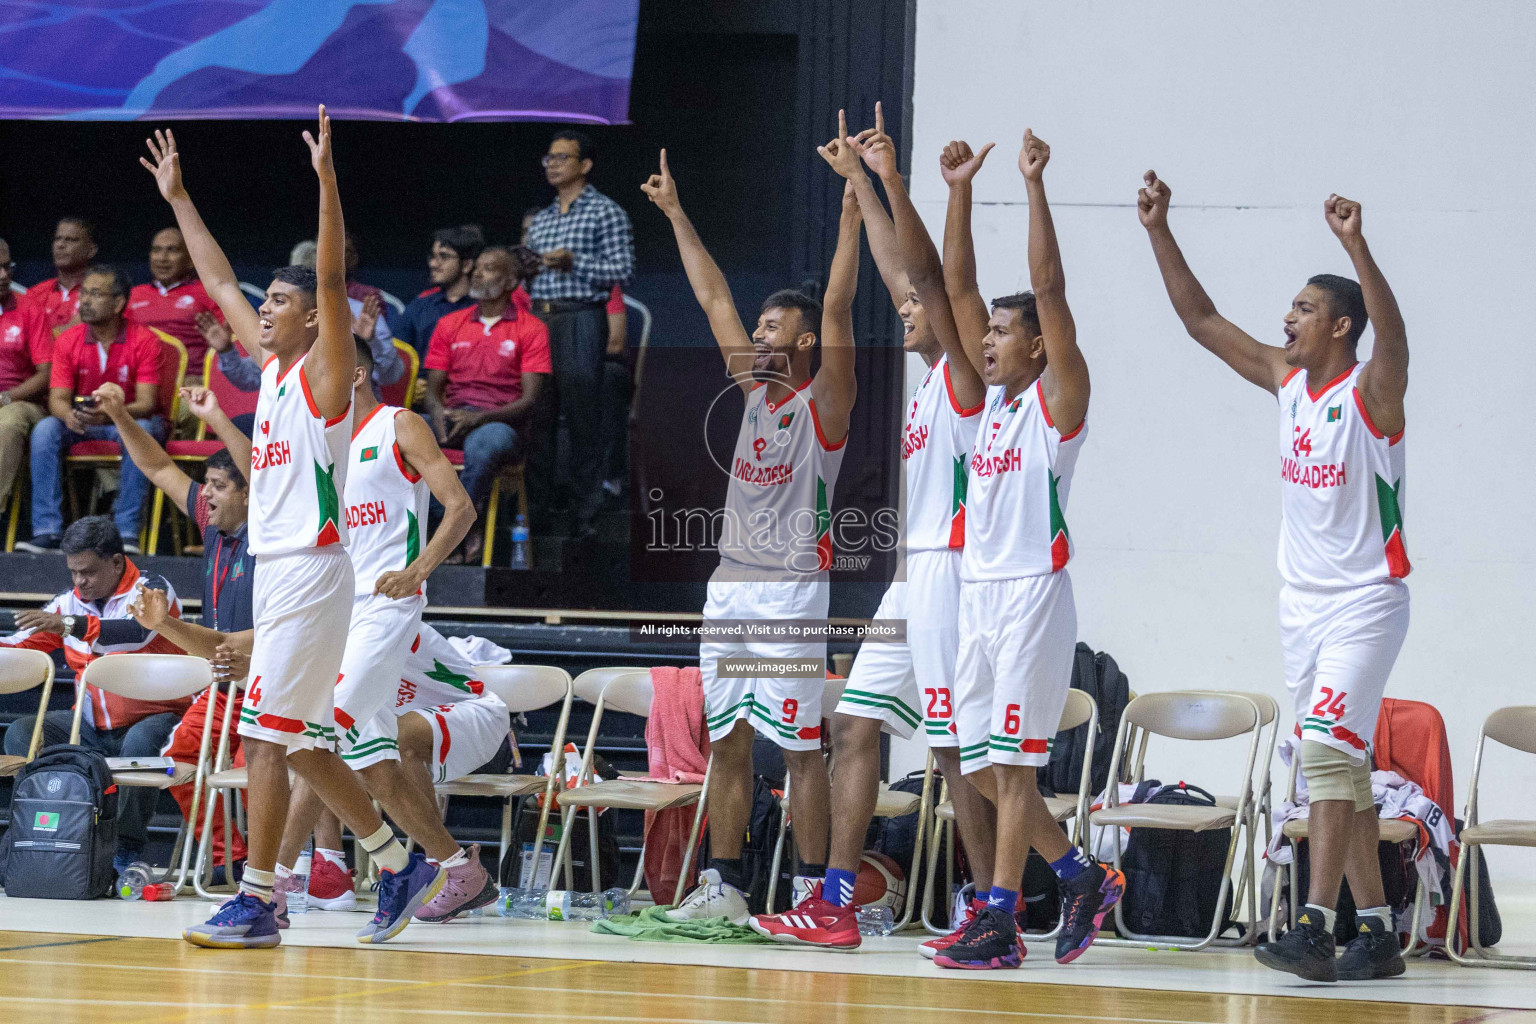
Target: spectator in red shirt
x=356, y=290
x=174, y=299
x=26, y=347
x=102, y=347
x=485, y=367
x=74, y=246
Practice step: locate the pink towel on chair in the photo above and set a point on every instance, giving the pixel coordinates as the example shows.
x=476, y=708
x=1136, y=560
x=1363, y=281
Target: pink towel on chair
x=678, y=745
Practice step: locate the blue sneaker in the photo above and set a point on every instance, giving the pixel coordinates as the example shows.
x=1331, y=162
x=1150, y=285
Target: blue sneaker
x=401, y=894
x=245, y=922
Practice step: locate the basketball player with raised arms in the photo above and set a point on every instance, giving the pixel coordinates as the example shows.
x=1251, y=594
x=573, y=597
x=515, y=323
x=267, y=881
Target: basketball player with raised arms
x=1344, y=602
x=1018, y=618
x=302, y=337
x=775, y=545
x=895, y=687
x=394, y=464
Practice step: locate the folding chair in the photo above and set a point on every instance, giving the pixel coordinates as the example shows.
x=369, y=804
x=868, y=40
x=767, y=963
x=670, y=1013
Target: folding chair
x=521, y=688
x=403, y=391
x=13, y=511
x=153, y=677
x=1258, y=815
x=1079, y=709
x=629, y=691
x=1514, y=727
x=20, y=670
x=1186, y=715
x=221, y=777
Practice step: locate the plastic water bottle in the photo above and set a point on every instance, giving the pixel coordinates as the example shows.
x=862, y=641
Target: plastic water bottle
x=298, y=897
x=564, y=905
x=521, y=559
x=134, y=884
x=527, y=904
x=876, y=921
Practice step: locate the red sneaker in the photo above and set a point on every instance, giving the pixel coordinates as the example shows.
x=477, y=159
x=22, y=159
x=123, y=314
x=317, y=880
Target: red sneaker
x=330, y=885
x=935, y=946
x=812, y=922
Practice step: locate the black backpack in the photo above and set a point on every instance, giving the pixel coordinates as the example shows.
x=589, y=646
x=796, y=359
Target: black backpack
x=63, y=831
x=1172, y=878
x=897, y=837
x=1100, y=677
x=757, y=850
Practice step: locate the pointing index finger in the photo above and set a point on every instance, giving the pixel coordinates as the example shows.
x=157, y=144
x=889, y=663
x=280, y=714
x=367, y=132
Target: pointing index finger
x=879, y=118
x=664, y=172
x=842, y=124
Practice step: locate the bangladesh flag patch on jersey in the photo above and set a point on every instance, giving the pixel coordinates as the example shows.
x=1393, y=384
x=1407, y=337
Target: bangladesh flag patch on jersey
x=786, y=420
x=1335, y=413
x=368, y=454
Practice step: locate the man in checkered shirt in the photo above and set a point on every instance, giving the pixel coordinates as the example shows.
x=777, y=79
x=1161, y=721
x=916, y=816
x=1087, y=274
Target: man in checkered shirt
x=588, y=247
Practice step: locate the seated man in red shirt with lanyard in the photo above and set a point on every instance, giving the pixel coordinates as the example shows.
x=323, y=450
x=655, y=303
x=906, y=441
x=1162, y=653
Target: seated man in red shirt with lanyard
x=26, y=352
x=486, y=365
x=103, y=347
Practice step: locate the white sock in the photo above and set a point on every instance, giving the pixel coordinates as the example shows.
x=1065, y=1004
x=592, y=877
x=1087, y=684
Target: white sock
x=462, y=857
x=1329, y=916
x=257, y=883
x=1382, y=913
x=335, y=857
x=280, y=872
x=384, y=849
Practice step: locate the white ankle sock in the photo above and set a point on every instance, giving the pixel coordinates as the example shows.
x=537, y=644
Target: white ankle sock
x=257, y=883
x=1382, y=913
x=279, y=872
x=384, y=849
x=1328, y=916
x=335, y=857
x=462, y=857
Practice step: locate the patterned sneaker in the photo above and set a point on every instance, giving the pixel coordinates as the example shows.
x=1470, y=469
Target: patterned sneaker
x=966, y=916
x=330, y=885
x=990, y=941
x=1084, y=902
x=401, y=893
x=244, y=922
x=280, y=890
x=1305, y=951
x=713, y=897
x=812, y=922
x=467, y=886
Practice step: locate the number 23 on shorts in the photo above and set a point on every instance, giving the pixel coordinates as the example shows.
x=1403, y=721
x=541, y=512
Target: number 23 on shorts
x=939, y=706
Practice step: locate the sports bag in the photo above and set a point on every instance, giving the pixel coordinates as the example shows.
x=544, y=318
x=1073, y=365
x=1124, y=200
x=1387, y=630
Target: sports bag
x=1172, y=878
x=63, y=831
x=1100, y=677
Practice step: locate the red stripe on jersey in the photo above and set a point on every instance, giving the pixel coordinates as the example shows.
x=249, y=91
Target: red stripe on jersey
x=277, y=723
x=957, y=528
x=442, y=752
x=810, y=732
x=1060, y=552
x=416, y=644
x=344, y=720
x=1034, y=746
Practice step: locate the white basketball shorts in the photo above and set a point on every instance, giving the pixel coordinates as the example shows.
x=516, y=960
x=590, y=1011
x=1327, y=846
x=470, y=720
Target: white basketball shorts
x=377, y=645
x=465, y=735
x=301, y=605
x=902, y=684
x=786, y=710
x=1339, y=647
x=1017, y=639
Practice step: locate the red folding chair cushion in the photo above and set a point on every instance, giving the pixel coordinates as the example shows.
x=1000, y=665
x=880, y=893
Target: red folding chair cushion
x=232, y=400
x=455, y=456
x=96, y=449
x=192, y=449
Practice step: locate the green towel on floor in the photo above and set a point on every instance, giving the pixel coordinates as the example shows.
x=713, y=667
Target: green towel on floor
x=651, y=925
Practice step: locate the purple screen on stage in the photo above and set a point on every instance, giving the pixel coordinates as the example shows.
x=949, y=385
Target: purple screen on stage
x=427, y=60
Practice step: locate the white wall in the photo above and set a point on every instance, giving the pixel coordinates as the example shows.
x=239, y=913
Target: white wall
x=1253, y=114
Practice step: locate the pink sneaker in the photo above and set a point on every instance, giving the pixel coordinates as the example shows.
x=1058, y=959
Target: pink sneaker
x=467, y=887
x=330, y=885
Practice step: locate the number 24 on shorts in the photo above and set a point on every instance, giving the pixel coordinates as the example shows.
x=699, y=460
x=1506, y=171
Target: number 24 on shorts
x=1330, y=706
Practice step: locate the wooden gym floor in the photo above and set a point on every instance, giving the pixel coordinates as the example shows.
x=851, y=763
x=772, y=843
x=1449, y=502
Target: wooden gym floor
x=59, y=977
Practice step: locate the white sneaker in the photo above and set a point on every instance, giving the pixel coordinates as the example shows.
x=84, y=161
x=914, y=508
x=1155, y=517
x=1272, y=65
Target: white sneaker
x=712, y=898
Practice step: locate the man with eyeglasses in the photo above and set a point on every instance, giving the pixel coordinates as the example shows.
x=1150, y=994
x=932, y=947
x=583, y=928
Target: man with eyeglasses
x=104, y=347
x=26, y=352
x=451, y=266
x=588, y=246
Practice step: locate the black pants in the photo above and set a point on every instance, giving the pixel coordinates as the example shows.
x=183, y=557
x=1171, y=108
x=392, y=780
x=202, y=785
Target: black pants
x=577, y=338
x=144, y=738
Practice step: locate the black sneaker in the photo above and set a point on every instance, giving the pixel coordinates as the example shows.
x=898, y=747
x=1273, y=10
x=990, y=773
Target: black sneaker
x=1305, y=951
x=42, y=544
x=1084, y=902
x=990, y=942
x=1374, y=953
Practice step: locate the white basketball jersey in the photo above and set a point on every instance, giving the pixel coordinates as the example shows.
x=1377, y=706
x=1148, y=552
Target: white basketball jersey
x=1021, y=472
x=1341, y=487
x=778, y=504
x=298, y=466
x=435, y=674
x=386, y=502
x=936, y=445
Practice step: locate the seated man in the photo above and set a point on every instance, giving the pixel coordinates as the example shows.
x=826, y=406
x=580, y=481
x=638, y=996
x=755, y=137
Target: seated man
x=451, y=266
x=486, y=365
x=26, y=355
x=103, y=347
x=219, y=506
x=87, y=622
x=173, y=300
x=74, y=247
